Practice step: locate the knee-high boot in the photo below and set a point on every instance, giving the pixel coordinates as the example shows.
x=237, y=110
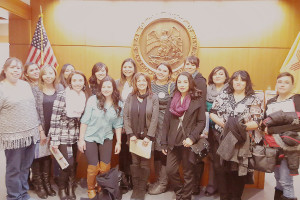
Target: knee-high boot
x=103, y=168
x=71, y=186
x=143, y=180
x=46, y=168
x=277, y=194
x=92, y=172
x=62, y=181
x=37, y=180
x=135, y=174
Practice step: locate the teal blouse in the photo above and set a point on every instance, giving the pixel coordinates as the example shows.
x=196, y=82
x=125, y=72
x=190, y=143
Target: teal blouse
x=100, y=124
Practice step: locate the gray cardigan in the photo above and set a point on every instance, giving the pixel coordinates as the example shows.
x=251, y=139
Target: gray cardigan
x=152, y=111
x=39, y=98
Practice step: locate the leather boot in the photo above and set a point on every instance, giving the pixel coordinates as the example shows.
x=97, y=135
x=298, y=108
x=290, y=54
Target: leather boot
x=162, y=184
x=62, y=180
x=92, y=172
x=103, y=168
x=277, y=194
x=135, y=174
x=37, y=180
x=71, y=185
x=143, y=180
x=46, y=177
x=198, y=170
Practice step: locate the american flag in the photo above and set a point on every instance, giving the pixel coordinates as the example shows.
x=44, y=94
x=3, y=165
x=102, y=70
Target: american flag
x=39, y=54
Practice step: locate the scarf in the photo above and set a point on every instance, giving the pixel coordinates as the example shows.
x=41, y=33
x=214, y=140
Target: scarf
x=75, y=103
x=177, y=108
x=212, y=92
x=142, y=96
x=138, y=116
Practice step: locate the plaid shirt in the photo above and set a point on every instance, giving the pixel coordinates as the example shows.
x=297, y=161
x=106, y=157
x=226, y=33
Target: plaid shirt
x=63, y=130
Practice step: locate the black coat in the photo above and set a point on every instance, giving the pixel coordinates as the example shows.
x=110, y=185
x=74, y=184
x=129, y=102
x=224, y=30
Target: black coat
x=193, y=123
x=200, y=83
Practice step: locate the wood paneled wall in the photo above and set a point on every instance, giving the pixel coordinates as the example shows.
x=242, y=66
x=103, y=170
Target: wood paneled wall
x=251, y=35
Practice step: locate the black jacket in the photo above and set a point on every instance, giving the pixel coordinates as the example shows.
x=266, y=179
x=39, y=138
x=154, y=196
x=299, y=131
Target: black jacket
x=200, y=82
x=193, y=123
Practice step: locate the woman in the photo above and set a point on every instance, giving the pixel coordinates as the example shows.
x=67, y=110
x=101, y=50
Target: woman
x=184, y=121
x=103, y=113
x=44, y=94
x=65, y=71
x=283, y=173
x=240, y=108
x=140, y=122
x=19, y=128
x=64, y=128
x=99, y=71
x=217, y=83
x=163, y=88
x=128, y=70
x=191, y=64
x=31, y=74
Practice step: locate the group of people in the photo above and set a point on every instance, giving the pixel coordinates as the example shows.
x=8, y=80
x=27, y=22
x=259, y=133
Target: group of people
x=71, y=113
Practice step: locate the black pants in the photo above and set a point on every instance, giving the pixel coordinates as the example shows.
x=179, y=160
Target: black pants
x=176, y=156
x=98, y=152
x=140, y=161
x=159, y=156
x=230, y=184
x=125, y=159
x=64, y=150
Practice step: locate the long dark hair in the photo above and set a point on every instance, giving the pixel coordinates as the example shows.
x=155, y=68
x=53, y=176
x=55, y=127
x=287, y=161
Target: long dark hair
x=115, y=95
x=93, y=79
x=215, y=70
x=62, y=78
x=86, y=88
x=193, y=91
x=245, y=77
x=7, y=64
x=123, y=78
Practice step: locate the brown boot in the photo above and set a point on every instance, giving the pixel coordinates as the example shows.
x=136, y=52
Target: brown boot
x=103, y=168
x=92, y=172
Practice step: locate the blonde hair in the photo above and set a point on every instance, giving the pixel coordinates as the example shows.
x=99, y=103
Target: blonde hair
x=43, y=72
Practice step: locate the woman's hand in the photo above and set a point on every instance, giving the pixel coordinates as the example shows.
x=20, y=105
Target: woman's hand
x=54, y=148
x=165, y=151
x=81, y=145
x=118, y=148
x=43, y=137
x=146, y=141
x=187, y=142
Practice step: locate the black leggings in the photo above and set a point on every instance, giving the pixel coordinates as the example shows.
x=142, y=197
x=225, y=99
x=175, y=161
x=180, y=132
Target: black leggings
x=96, y=152
x=64, y=150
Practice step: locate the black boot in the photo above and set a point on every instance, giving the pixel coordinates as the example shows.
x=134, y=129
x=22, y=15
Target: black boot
x=71, y=186
x=135, y=174
x=277, y=194
x=37, y=180
x=62, y=180
x=198, y=170
x=46, y=177
x=143, y=180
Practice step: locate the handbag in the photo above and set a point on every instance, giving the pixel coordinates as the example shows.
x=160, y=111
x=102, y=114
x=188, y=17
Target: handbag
x=263, y=158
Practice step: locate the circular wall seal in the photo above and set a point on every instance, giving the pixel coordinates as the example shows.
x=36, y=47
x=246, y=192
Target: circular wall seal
x=164, y=38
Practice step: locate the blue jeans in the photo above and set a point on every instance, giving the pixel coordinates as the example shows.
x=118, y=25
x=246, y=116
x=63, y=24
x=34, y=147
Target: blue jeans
x=18, y=163
x=284, y=181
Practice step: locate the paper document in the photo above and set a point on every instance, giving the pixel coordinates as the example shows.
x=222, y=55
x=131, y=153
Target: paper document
x=63, y=163
x=139, y=149
x=285, y=106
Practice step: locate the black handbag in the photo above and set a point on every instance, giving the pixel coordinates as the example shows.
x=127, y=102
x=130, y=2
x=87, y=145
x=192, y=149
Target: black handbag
x=263, y=158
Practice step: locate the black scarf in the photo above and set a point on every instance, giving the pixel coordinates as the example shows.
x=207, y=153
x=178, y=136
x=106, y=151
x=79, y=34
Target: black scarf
x=138, y=116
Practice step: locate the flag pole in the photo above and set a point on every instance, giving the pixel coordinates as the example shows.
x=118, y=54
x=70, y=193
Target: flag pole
x=42, y=39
